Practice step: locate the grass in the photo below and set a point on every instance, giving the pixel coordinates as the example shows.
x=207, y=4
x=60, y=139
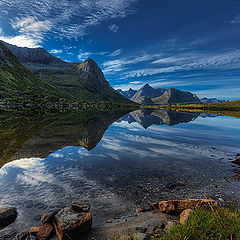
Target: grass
x=231, y=108
x=208, y=224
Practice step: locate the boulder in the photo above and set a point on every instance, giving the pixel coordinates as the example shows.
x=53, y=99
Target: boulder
x=80, y=206
x=184, y=215
x=43, y=232
x=7, y=216
x=48, y=217
x=176, y=206
x=70, y=224
x=138, y=210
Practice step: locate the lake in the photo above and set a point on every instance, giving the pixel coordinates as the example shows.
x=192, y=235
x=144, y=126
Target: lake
x=117, y=160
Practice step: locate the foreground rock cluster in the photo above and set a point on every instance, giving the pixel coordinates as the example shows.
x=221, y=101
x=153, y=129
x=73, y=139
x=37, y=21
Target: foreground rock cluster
x=71, y=222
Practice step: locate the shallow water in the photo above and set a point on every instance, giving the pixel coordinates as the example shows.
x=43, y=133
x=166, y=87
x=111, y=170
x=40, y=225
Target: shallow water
x=118, y=162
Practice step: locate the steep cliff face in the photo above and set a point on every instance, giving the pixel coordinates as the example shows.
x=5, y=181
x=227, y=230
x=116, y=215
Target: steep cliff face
x=175, y=96
x=81, y=81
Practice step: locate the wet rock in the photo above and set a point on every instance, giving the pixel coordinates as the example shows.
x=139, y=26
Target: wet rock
x=171, y=186
x=238, y=154
x=142, y=229
x=7, y=216
x=184, y=215
x=141, y=236
x=23, y=236
x=108, y=221
x=80, y=206
x=174, y=206
x=70, y=224
x=45, y=232
x=34, y=230
x=138, y=210
x=48, y=217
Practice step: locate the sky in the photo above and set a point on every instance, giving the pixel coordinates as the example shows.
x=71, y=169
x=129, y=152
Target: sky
x=189, y=45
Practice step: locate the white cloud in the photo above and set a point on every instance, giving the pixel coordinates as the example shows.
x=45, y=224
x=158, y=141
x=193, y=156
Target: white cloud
x=115, y=53
x=84, y=55
x=114, y=28
x=236, y=20
x=68, y=19
x=56, y=51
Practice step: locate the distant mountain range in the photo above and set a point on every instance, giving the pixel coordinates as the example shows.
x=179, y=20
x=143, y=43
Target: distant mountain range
x=149, y=96
x=35, y=71
x=211, y=100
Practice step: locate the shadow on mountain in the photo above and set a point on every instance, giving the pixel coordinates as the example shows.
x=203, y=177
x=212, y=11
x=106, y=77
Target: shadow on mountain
x=148, y=117
x=39, y=135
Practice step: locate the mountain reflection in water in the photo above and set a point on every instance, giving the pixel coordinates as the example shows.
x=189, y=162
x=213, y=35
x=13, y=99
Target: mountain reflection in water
x=39, y=135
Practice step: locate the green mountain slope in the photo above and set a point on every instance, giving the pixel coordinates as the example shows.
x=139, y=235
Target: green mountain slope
x=82, y=81
x=17, y=80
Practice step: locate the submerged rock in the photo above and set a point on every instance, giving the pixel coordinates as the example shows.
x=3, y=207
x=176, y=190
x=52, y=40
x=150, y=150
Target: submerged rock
x=7, y=216
x=23, y=236
x=174, y=206
x=70, y=224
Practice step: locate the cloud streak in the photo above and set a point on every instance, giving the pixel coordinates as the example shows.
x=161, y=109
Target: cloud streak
x=68, y=19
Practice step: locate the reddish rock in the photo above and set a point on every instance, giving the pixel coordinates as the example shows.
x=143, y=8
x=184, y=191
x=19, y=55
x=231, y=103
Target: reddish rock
x=45, y=232
x=184, y=215
x=70, y=224
x=174, y=206
x=34, y=230
x=48, y=217
x=138, y=210
x=7, y=216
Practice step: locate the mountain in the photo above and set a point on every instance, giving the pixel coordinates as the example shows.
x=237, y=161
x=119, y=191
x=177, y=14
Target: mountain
x=128, y=94
x=147, y=95
x=175, y=96
x=149, y=92
x=17, y=80
x=211, y=100
x=80, y=81
x=144, y=100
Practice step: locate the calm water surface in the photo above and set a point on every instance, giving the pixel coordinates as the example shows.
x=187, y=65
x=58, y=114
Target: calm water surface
x=117, y=161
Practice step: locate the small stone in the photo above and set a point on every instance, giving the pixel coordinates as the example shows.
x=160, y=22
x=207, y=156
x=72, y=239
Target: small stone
x=80, y=206
x=48, y=217
x=169, y=225
x=138, y=210
x=7, y=216
x=184, y=215
x=237, y=161
x=108, y=221
x=23, y=236
x=220, y=199
x=238, y=154
x=141, y=236
x=181, y=184
x=37, y=217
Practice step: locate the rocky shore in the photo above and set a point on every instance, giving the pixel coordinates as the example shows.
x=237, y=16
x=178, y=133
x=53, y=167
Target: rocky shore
x=75, y=222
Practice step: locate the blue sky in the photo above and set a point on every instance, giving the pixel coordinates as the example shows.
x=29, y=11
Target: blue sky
x=189, y=45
